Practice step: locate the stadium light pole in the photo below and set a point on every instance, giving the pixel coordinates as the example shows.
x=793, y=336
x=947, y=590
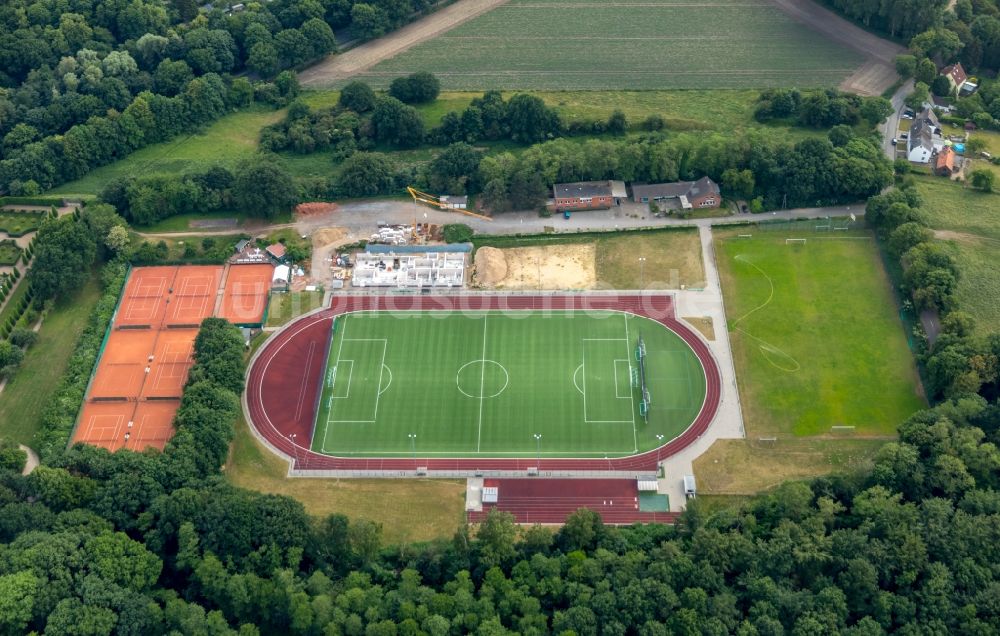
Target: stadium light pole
x=642, y=271
x=538, y=449
x=295, y=447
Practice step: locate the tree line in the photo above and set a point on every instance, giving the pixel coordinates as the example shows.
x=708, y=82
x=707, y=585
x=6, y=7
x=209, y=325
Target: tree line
x=87, y=83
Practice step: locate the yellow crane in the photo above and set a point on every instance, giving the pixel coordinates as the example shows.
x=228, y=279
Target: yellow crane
x=431, y=200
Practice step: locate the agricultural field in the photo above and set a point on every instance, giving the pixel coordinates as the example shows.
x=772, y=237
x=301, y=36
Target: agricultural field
x=815, y=335
x=635, y=44
x=953, y=208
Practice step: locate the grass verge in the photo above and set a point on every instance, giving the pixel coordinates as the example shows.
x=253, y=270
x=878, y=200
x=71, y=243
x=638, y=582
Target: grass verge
x=746, y=467
x=22, y=402
x=285, y=307
x=409, y=510
x=816, y=338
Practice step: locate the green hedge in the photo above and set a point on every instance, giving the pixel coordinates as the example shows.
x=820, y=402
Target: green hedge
x=67, y=398
x=56, y=201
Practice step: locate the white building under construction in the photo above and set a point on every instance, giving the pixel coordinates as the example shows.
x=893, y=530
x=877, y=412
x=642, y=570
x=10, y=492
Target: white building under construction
x=411, y=266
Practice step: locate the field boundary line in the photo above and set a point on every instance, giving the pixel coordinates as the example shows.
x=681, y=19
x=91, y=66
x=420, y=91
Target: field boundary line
x=336, y=373
x=629, y=384
x=635, y=434
x=381, y=372
x=329, y=414
x=482, y=387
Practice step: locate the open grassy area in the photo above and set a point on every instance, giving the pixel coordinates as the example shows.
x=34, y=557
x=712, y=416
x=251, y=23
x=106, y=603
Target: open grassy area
x=636, y=44
x=672, y=259
x=224, y=142
x=950, y=206
x=979, y=284
x=416, y=509
x=284, y=307
x=748, y=466
x=815, y=334
x=483, y=384
x=22, y=402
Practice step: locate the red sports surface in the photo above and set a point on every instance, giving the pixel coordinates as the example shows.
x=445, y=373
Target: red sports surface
x=283, y=382
x=534, y=500
x=247, y=289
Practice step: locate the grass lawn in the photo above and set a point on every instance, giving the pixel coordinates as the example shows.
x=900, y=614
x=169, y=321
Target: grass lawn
x=22, y=402
x=483, y=384
x=949, y=206
x=213, y=222
x=10, y=253
x=672, y=259
x=224, y=142
x=746, y=467
x=417, y=510
x=979, y=284
x=815, y=335
x=284, y=307
x=529, y=44
x=20, y=223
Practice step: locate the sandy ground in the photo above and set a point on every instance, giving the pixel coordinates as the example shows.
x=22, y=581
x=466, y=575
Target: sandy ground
x=324, y=242
x=876, y=74
x=342, y=66
x=549, y=267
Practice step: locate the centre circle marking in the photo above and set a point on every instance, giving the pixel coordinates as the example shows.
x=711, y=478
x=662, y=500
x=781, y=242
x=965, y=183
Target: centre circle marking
x=458, y=382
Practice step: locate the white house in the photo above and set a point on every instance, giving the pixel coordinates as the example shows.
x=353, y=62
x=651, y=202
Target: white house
x=924, y=137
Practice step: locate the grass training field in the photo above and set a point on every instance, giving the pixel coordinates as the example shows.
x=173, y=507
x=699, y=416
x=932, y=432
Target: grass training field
x=815, y=334
x=634, y=44
x=485, y=383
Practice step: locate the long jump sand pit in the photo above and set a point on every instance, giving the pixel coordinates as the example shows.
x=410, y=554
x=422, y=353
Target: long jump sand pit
x=570, y=266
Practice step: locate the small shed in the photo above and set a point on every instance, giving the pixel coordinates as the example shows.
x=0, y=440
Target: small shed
x=277, y=252
x=241, y=246
x=455, y=202
x=281, y=278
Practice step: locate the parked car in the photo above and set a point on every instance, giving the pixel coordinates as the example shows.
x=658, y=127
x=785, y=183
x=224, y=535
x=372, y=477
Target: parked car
x=904, y=135
x=894, y=141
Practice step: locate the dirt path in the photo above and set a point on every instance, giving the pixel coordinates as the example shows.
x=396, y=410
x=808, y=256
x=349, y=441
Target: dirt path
x=32, y=462
x=876, y=74
x=361, y=58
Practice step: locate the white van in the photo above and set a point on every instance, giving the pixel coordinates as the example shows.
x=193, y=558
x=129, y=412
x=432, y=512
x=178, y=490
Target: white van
x=689, y=488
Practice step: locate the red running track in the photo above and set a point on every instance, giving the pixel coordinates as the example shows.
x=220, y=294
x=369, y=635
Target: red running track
x=552, y=500
x=284, y=380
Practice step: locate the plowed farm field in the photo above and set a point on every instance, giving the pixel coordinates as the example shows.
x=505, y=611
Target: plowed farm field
x=631, y=44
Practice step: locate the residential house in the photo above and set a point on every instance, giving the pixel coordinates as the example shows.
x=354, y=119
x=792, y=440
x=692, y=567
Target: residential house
x=582, y=195
x=944, y=162
x=703, y=193
x=925, y=137
x=956, y=76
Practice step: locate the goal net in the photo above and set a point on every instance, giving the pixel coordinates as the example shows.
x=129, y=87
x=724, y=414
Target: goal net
x=795, y=241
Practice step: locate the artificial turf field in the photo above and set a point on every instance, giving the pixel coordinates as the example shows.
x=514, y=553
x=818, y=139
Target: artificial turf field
x=815, y=334
x=485, y=383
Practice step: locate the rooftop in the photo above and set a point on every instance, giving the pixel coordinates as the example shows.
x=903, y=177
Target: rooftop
x=582, y=189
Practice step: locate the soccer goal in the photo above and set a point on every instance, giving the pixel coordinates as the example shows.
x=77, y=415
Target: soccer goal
x=795, y=241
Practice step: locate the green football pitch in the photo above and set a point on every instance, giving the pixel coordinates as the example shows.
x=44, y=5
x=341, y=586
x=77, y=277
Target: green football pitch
x=484, y=384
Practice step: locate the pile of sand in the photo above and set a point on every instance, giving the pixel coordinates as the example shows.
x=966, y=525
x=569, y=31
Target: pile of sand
x=313, y=208
x=328, y=235
x=490, y=267
x=548, y=267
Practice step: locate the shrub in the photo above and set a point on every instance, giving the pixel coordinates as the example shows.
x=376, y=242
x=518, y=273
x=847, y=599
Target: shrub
x=457, y=233
x=23, y=338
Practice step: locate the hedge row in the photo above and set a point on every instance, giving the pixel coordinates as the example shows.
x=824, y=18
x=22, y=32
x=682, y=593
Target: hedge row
x=18, y=312
x=60, y=414
x=53, y=201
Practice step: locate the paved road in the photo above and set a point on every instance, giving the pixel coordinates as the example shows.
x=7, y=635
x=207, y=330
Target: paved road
x=891, y=125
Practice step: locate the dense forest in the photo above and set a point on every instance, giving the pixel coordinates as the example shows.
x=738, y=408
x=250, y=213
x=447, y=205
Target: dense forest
x=127, y=543
x=84, y=83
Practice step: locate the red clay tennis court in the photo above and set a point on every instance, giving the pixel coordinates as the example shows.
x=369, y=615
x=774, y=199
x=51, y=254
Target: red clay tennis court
x=123, y=364
x=141, y=374
x=171, y=360
x=192, y=295
x=247, y=289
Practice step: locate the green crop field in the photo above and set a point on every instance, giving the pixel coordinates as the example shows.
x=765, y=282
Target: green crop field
x=815, y=335
x=635, y=44
x=485, y=383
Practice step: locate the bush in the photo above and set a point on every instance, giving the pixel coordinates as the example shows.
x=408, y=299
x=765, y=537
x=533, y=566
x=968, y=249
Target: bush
x=457, y=233
x=23, y=338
